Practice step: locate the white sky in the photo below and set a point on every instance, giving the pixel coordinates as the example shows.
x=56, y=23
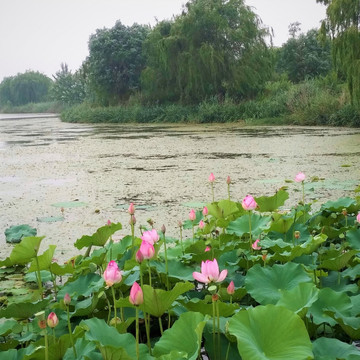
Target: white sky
x=41, y=34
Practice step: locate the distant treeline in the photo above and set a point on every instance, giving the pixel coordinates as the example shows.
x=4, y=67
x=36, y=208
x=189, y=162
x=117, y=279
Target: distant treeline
x=211, y=63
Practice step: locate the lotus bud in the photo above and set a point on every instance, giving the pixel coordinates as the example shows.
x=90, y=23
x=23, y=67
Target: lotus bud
x=180, y=224
x=214, y=297
x=192, y=215
x=211, y=178
x=228, y=180
x=147, y=250
x=108, y=223
x=112, y=274
x=67, y=299
x=136, y=295
x=249, y=203
x=52, y=320
x=297, y=234
x=131, y=209
x=208, y=248
x=358, y=218
x=344, y=212
x=139, y=257
x=201, y=224
x=205, y=211
x=163, y=229
x=300, y=177
x=150, y=222
x=231, y=288
x=264, y=255
x=132, y=220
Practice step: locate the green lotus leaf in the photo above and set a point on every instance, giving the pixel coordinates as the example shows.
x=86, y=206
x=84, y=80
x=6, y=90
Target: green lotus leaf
x=350, y=324
x=265, y=284
x=272, y=203
x=85, y=307
x=44, y=260
x=241, y=225
x=333, y=349
x=338, y=205
x=328, y=298
x=270, y=333
x=85, y=285
x=111, y=344
x=177, y=270
x=184, y=336
x=337, y=282
x=339, y=261
x=205, y=308
x=15, y=233
x=281, y=223
x=223, y=209
x=84, y=350
x=299, y=298
x=20, y=354
x=352, y=272
x=158, y=301
x=24, y=310
x=100, y=237
x=26, y=250
x=50, y=219
x=10, y=326
x=59, y=270
x=355, y=301
x=352, y=237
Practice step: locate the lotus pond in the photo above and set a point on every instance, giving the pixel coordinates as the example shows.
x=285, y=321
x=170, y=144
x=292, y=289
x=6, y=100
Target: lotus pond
x=253, y=281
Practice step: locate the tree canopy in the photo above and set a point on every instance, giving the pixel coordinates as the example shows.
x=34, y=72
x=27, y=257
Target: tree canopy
x=214, y=48
x=342, y=24
x=29, y=87
x=115, y=61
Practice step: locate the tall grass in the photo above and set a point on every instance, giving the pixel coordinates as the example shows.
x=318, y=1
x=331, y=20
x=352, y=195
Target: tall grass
x=319, y=101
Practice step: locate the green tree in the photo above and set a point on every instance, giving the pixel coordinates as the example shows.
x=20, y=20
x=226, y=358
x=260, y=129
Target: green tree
x=342, y=24
x=214, y=48
x=29, y=87
x=68, y=88
x=115, y=62
x=304, y=56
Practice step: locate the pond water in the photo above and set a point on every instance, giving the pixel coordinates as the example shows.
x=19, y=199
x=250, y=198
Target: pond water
x=95, y=171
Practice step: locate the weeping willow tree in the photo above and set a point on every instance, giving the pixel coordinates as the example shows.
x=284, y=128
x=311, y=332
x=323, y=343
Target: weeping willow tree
x=342, y=23
x=215, y=48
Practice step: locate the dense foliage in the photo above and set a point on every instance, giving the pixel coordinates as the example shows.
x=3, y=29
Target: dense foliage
x=29, y=87
x=115, y=62
x=274, y=282
x=214, y=48
x=342, y=24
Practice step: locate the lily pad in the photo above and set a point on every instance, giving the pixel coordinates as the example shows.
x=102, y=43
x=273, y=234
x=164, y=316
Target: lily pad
x=15, y=233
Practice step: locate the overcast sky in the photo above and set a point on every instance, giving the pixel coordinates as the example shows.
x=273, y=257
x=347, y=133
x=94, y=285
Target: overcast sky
x=39, y=35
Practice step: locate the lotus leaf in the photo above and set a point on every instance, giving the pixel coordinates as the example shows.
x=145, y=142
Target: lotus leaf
x=15, y=233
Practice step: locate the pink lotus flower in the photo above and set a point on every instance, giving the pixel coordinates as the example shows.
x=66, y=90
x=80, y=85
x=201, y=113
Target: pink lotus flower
x=147, y=250
x=139, y=257
x=201, y=224
x=192, y=215
x=52, y=320
x=249, y=203
x=67, y=299
x=151, y=236
x=231, y=288
x=300, y=177
x=211, y=178
x=112, y=274
x=255, y=245
x=131, y=209
x=108, y=222
x=358, y=218
x=228, y=180
x=136, y=295
x=209, y=272
x=208, y=248
x=205, y=211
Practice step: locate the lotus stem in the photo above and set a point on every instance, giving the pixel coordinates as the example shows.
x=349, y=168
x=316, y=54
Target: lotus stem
x=212, y=191
x=39, y=276
x=137, y=333
x=132, y=237
x=218, y=328
x=214, y=336
x=228, y=191
x=250, y=240
x=114, y=300
x=149, y=269
x=181, y=241
x=46, y=346
x=166, y=264
x=53, y=278
x=70, y=331
x=160, y=326
x=227, y=351
x=54, y=338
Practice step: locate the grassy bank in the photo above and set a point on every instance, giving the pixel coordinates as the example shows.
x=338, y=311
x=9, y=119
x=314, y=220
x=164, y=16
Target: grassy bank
x=44, y=107
x=314, y=102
